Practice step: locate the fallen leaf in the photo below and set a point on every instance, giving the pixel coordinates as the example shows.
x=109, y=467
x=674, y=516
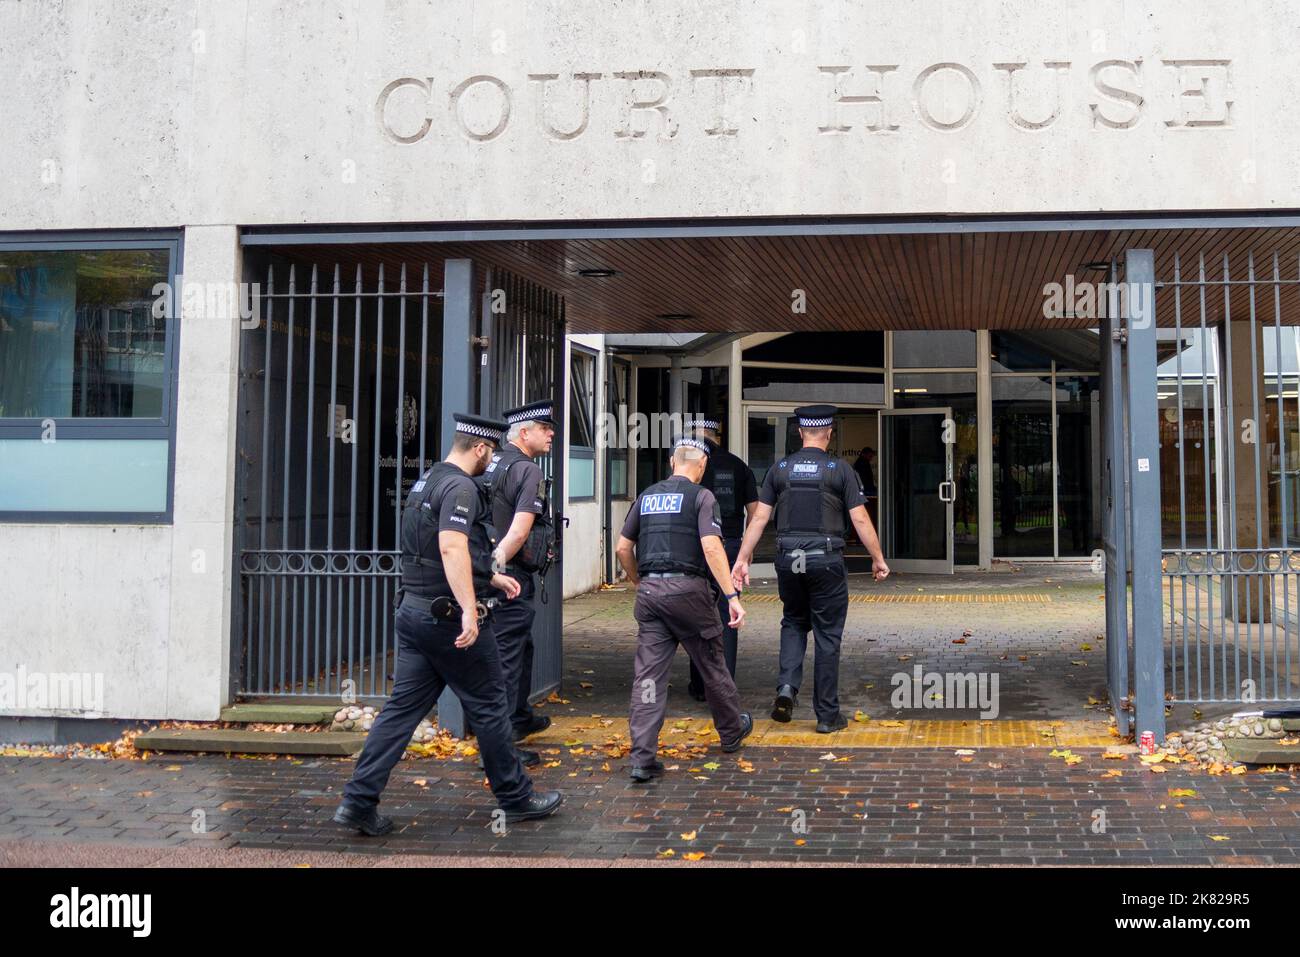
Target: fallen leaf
x=689, y=836
x=1219, y=837
x=1182, y=793
x=800, y=842
x=693, y=856
x=668, y=853
x=860, y=717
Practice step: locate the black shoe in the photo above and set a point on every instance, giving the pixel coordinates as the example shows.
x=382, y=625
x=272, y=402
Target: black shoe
x=539, y=723
x=530, y=758
x=783, y=709
x=539, y=804
x=369, y=822
x=746, y=729
x=642, y=775
x=696, y=693
x=837, y=723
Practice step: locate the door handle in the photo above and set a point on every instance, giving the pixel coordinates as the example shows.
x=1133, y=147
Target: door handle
x=948, y=491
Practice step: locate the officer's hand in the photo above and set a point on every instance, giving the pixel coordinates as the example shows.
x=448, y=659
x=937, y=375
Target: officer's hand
x=740, y=575
x=468, y=628
x=507, y=584
x=737, y=613
x=879, y=570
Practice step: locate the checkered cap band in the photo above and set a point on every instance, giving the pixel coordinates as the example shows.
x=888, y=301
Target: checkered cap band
x=471, y=428
x=532, y=413
x=815, y=423
x=705, y=422
x=686, y=442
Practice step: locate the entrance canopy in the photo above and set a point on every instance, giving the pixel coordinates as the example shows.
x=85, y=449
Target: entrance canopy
x=767, y=278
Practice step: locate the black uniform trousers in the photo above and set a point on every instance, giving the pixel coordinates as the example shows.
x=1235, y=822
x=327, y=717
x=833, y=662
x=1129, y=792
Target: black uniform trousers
x=816, y=598
x=729, y=635
x=512, y=622
x=427, y=662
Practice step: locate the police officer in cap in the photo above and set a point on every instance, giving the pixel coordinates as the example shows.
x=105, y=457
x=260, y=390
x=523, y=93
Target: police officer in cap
x=814, y=495
x=732, y=484
x=526, y=546
x=443, y=636
x=671, y=549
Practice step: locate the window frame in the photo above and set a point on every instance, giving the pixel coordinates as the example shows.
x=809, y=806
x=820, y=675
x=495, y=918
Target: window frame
x=108, y=428
x=583, y=453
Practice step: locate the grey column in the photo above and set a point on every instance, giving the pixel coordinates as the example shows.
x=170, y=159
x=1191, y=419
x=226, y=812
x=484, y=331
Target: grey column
x=458, y=395
x=1114, y=528
x=1144, y=491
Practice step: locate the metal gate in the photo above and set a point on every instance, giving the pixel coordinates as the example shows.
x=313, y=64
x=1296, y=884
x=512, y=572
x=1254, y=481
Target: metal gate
x=341, y=396
x=1229, y=401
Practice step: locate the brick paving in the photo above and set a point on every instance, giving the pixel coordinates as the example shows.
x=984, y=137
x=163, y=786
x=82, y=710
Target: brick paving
x=866, y=806
x=906, y=804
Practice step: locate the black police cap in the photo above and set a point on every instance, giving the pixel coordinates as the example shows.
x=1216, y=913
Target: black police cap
x=816, y=416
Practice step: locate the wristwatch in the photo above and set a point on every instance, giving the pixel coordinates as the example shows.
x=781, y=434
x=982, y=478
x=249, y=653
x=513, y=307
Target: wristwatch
x=734, y=594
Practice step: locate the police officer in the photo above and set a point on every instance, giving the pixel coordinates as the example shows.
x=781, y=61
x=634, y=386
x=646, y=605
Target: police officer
x=813, y=495
x=443, y=638
x=732, y=484
x=526, y=543
x=676, y=533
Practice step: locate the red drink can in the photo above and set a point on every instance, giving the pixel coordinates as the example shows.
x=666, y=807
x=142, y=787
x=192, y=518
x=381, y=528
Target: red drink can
x=1147, y=742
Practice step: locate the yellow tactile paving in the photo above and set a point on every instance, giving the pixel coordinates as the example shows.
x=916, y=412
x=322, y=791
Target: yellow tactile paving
x=873, y=733
x=951, y=598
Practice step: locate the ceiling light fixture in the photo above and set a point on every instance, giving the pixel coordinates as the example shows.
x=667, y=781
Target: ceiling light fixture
x=597, y=273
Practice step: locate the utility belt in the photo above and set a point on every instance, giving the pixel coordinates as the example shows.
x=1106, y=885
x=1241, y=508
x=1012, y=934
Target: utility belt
x=828, y=546
x=446, y=608
x=670, y=575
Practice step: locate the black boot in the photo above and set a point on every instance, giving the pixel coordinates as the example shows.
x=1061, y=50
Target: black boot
x=837, y=723
x=642, y=775
x=369, y=822
x=539, y=723
x=783, y=708
x=539, y=804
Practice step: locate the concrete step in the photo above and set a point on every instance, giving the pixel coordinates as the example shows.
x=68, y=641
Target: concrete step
x=1261, y=751
x=1291, y=724
x=237, y=741
x=258, y=713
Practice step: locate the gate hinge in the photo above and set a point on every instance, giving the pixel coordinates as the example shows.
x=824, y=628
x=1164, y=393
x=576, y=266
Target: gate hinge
x=480, y=341
x=1120, y=336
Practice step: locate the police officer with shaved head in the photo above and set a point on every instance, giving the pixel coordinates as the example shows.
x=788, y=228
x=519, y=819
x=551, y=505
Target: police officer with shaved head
x=732, y=484
x=526, y=547
x=814, y=496
x=671, y=548
x=444, y=635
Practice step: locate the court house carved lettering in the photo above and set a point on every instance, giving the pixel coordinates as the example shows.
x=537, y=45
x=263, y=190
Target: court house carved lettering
x=843, y=99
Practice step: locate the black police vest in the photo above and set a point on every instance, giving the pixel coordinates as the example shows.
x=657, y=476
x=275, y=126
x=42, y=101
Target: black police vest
x=423, y=574
x=669, y=537
x=538, y=550
x=809, y=509
x=724, y=477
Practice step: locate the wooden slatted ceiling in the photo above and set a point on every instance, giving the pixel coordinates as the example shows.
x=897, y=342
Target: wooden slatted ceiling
x=928, y=281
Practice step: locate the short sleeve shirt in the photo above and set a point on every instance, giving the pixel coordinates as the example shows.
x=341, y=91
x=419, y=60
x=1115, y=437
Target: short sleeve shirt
x=524, y=488
x=459, y=508
x=707, y=517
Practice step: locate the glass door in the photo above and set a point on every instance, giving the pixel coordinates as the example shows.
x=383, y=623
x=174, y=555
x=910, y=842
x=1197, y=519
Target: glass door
x=916, y=489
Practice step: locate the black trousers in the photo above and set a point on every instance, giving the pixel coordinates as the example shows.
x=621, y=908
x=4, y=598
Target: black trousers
x=816, y=598
x=730, y=645
x=512, y=622
x=427, y=662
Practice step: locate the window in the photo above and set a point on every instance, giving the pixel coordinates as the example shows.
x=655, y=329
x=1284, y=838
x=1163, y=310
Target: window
x=934, y=350
x=617, y=405
x=582, y=419
x=87, y=359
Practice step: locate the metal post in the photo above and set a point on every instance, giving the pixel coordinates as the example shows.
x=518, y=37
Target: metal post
x=1115, y=463
x=458, y=395
x=675, y=408
x=1144, y=482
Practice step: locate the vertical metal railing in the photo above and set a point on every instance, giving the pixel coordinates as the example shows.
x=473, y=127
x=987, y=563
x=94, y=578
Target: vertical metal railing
x=319, y=558
x=1231, y=628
